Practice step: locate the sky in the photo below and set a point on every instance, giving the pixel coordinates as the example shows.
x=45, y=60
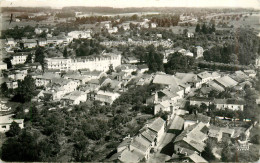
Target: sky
x=133, y=3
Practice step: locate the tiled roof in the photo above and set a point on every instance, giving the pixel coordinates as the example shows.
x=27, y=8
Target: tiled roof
x=197, y=158
x=198, y=117
x=226, y=81
x=140, y=143
x=165, y=80
x=157, y=124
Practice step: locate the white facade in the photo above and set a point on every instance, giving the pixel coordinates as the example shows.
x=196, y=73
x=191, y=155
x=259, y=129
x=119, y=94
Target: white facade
x=6, y=121
x=233, y=107
x=19, y=59
x=3, y=66
x=96, y=63
x=107, y=97
x=79, y=34
x=200, y=51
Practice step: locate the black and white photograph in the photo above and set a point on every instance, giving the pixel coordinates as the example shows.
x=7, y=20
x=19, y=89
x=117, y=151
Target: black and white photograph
x=129, y=81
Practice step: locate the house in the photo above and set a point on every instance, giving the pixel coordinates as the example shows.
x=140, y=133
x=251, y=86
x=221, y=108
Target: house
x=226, y=82
x=6, y=121
x=125, y=26
x=59, y=87
x=144, y=79
x=40, y=30
x=215, y=86
x=124, y=144
x=191, y=140
x=41, y=41
x=199, y=51
x=158, y=126
x=166, y=94
x=137, y=149
x=200, y=100
x=19, y=58
x=112, y=30
x=239, y=76
x=203, y=77
x=127, y=155
x=3, y=66
x=106, y=97
x=250, y=73
x=128, y=69
x=192, y=119
x=190, y=34
x=92, y=74
x=141, y=145
x=131, y=60
x=30, y=43
x=153, y=25
x=79, y=34
x=231, y=104
x=164, y=79
x=166, y=106
x=45, y=79
x=12, y=84
x=74, y=98
x=11, y=41
x=188, y=78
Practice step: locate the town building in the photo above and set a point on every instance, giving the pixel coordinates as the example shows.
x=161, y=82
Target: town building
x=80, y=34
x=191, y=140
x=6, y=121
x=19, y=58
x=99, y=63
x=106, y=97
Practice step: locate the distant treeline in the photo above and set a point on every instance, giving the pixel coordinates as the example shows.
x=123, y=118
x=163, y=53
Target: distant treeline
x=221, y=66
x=177, y=10
x=26, y=9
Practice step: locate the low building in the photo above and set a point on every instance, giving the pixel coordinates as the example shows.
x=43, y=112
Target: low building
x=106, y=97
x=79, y=34
x=231, y=104
x=6, y=121
x=191, y=140
x=200, y=51
x=74, y=98
x=192, y=119
x=3, y=66
x=226, y=82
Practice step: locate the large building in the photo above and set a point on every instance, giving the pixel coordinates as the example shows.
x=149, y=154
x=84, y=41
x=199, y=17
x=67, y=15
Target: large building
x=19, y=58
x=99, y=63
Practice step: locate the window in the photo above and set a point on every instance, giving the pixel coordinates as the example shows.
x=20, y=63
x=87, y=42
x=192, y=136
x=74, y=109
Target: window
x=3, y=126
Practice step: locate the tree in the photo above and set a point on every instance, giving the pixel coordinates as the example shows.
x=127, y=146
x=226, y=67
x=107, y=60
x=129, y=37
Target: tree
x=29, y=59
x=226, y=154
x=4, y=89
x=204, y=29
x=8, y=62
x=26, y=90
x=39, y=56
x=21, y=148
x=197, y=29
x=234, y=58
x=111, y=69
x=212, y=28
x=255, y=139
x=65, y=53
x=14, y=130
x=185, y=31
x=207, y=152
x=80, y=146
